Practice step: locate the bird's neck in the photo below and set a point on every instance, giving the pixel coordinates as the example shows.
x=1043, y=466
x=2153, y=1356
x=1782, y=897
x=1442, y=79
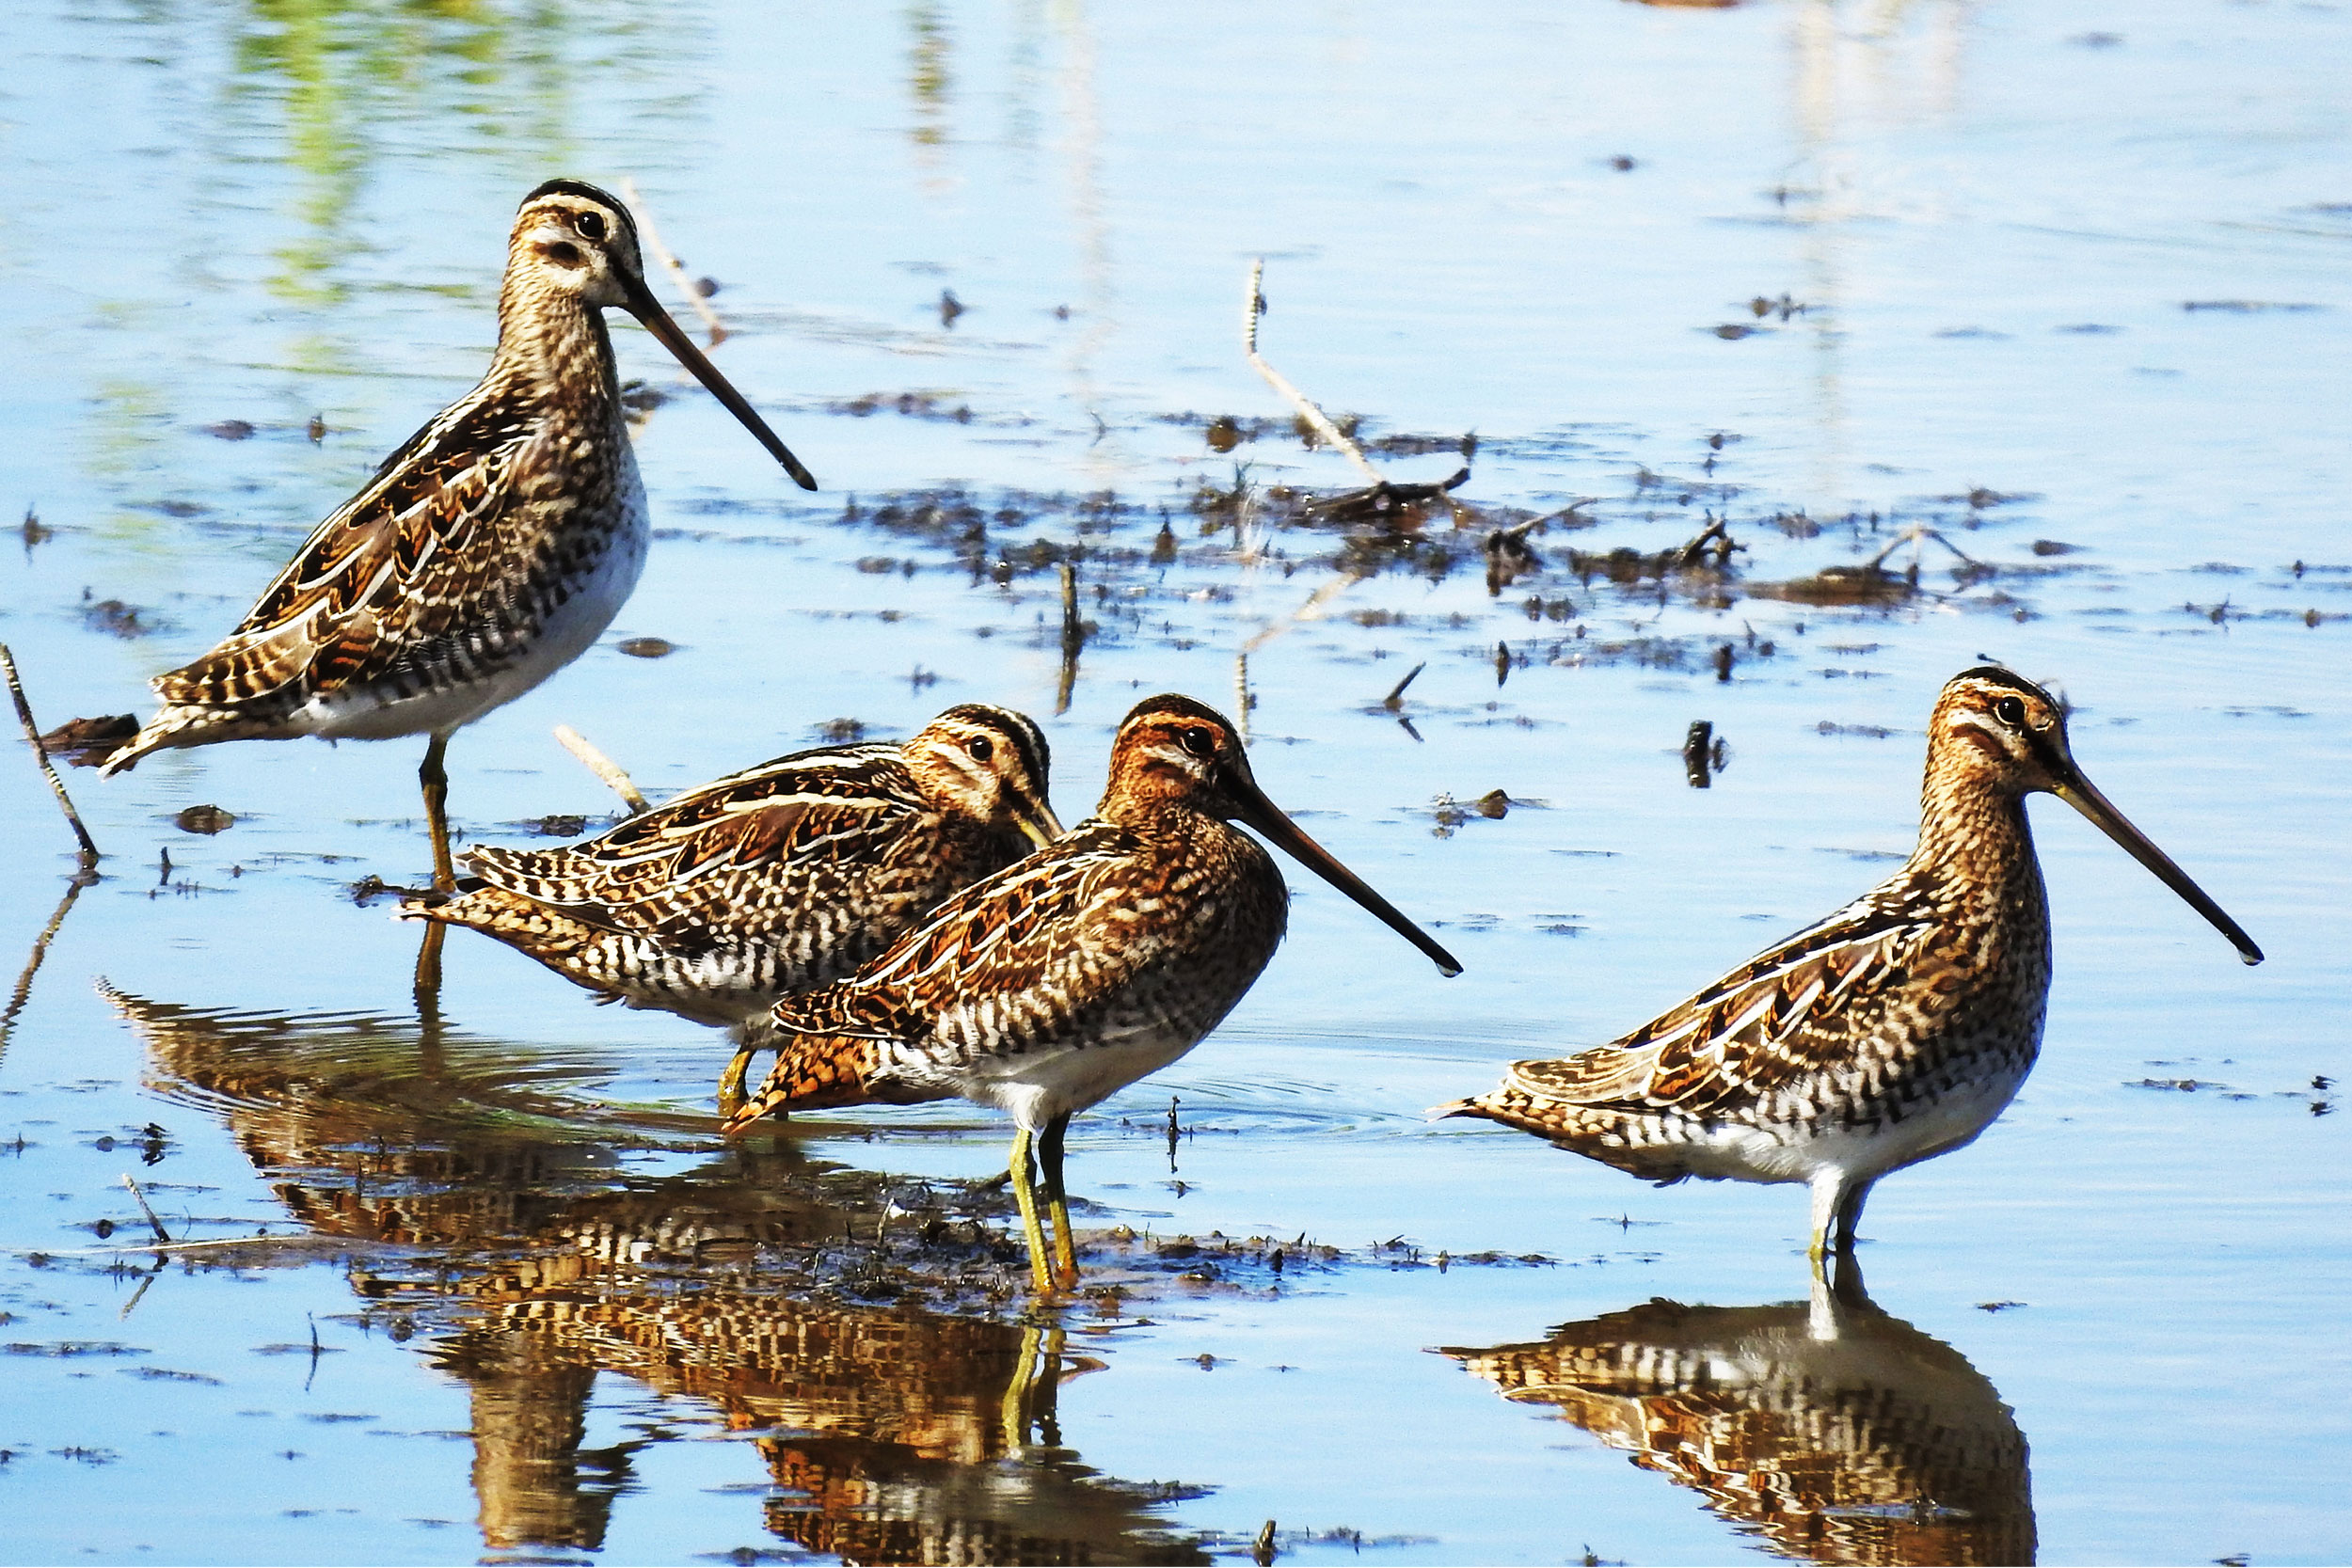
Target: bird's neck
x=1974, y=840
x=1150, y=810
x=555, y=344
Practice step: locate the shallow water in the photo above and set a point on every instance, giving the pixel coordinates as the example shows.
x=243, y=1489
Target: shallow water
x=2072, y=293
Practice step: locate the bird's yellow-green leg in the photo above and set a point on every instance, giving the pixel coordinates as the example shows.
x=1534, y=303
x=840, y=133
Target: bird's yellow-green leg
x=1826, y=1188
x=429, y=958
x=434, y=779
x=1838, y=1202
x=1014, y=1411
x=435, y=782
x=1025, y=1194
x=731, y=1081
x=1057, y=1203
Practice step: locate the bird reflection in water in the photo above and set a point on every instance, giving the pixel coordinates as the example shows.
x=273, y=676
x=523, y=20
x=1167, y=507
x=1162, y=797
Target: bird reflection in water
x=487, y=1211
x=1828, y=1429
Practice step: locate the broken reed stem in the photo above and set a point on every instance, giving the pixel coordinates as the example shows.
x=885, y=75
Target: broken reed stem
x=1241, y=693
x=677, y=269
x=1317, y=602
x=1074, y=637
x=1273, y=378
x=1912, y=535
x=603, y=767
x=40, y=950
x=292, y=1238
x=160, y=1234
x=41, y=755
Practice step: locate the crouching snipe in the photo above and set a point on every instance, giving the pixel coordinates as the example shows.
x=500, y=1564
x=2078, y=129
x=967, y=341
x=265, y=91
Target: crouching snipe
x=1067, y=977
x=777, y=879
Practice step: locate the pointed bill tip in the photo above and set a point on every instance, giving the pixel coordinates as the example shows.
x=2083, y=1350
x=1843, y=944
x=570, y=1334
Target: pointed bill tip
x=1269, y=819
x=648, y=311
x=2080, y=792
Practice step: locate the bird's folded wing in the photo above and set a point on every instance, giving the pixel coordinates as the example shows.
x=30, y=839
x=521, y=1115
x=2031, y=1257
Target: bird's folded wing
x=1760, y=1029
x=1012, y=944
x=685, y=867
x=417, y=555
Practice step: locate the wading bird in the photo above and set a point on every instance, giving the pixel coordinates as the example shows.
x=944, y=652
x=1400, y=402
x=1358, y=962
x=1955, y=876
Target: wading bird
x=1063, y=978
x=486, y=553
x=1891, y=1031
x=777, y=879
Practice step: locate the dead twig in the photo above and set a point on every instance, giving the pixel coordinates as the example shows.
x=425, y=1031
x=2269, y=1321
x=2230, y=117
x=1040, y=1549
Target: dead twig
x=1074, y=638
x=603, y=767
x=40, y=752
x=1241, y=693
x=1914, y=534
x=24, y=992
x=292, y=1238
x=675, y=268
x=1317, y=602
x=162, y=1235
x=1386, y=503
x=1314, y=415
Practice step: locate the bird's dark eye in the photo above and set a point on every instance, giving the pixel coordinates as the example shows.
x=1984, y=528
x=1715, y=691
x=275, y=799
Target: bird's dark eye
x=590, y=226
x=1200, y=743
x=2010, y=712
x=980, y=747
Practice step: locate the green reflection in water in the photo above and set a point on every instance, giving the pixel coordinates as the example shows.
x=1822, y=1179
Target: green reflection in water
x=331, y=77
x=932, y=82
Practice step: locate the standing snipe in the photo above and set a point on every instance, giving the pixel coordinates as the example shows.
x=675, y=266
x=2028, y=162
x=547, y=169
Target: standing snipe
x=1060, y=980
x=486, y=553
x=1895, y=1030
x=777, y=879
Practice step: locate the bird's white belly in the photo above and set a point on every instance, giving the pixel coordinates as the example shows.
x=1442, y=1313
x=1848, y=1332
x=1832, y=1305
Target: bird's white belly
x=570, y=631
x=1035, y=1088
x=1743, y=1152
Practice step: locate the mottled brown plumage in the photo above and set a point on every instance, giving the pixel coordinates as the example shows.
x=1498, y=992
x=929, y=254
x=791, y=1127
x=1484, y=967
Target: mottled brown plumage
x=1093, y=962
x=1892, y=1031
x=486, y=553
x=1830, y=1432
x=776, y=880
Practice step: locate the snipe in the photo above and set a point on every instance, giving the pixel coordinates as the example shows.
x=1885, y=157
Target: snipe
x=486, y=553
x=1067, y=977
x=777, y=879
x=1891, y=1031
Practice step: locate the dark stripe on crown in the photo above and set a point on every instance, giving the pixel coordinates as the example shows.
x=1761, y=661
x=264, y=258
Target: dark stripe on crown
x=1994, y=674
x=1018, y=729
x=586, y=192
x=1170, y=704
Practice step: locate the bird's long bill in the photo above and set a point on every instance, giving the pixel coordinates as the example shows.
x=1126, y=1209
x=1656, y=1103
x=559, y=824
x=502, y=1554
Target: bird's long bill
x=648, y=309
x=2079, y=793
x=1038, y=823
x=1263, y=815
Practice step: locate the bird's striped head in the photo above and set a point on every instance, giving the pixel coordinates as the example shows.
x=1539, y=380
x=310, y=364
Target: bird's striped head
x=1174, y=752
x=1171, y=747
x=571, y=238
x=1997, y=728
x=990, y=765
x=574, y=242
x=1994, y=729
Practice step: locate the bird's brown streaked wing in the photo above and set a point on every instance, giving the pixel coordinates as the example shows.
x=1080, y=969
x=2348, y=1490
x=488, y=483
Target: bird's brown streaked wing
x=673, y=867
x=396, y=567
x=1003, y=935
x=1788, y=1013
